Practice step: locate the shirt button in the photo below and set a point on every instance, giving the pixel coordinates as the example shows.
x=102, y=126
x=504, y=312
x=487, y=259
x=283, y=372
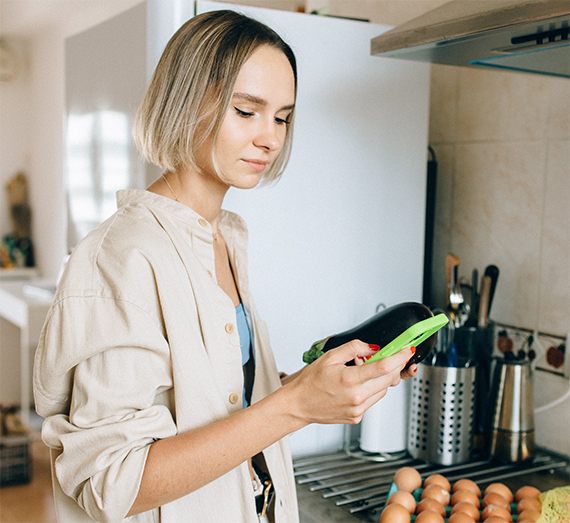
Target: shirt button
x=233, y=398
x=210, y=273
x=203, y=222
x=229, y=328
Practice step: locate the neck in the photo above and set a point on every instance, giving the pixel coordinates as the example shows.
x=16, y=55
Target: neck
x=203, y=194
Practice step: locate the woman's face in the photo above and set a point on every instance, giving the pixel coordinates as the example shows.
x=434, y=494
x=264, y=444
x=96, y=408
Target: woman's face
x=253, y=130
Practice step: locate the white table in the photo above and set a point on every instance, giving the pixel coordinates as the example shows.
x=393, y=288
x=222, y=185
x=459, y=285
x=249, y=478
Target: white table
x=26, y=309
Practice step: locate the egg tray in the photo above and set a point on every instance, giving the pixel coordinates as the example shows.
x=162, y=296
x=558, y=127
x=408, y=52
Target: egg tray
x=418, y=495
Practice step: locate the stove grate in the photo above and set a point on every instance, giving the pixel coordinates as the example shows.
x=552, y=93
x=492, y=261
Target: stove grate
x=359, y=484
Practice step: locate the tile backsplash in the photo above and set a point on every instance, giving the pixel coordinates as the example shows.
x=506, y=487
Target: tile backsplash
x=501, y=140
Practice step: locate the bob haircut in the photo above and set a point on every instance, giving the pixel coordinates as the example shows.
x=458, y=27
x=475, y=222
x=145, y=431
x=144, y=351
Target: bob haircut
x=192, y=87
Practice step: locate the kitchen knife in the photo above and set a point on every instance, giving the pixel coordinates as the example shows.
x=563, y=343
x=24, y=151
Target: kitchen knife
x=493, y=272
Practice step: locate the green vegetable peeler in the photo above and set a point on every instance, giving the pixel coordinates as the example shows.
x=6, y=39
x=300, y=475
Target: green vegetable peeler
x=412, y=336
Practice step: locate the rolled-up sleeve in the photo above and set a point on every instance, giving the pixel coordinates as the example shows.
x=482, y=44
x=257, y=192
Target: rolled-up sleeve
x=102, y=367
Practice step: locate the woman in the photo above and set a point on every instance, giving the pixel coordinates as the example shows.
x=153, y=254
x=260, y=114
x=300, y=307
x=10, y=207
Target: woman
x=153, y=347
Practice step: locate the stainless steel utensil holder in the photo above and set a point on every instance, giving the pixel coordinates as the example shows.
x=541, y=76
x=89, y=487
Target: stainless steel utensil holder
x=441, y=415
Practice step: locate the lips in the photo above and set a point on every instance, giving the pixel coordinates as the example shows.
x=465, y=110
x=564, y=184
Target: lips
x=256, y=165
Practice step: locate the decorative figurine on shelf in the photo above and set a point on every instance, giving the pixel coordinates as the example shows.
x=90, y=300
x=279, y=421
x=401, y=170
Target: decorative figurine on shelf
x=11, y=423
x=17, y=248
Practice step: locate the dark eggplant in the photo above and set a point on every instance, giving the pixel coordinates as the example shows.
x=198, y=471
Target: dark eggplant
x=380, y=330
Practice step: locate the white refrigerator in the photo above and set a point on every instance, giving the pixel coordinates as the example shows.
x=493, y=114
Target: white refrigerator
x=343, y=230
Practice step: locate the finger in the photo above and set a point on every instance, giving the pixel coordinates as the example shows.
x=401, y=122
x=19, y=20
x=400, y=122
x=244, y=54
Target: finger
x=410, y=372
x=353, y=350
x=413, y=349
x=370, y=350
x=375, y=398
x=384, y=366
x=379, y=384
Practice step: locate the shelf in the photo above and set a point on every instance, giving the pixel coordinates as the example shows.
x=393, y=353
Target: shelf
x=18, y=273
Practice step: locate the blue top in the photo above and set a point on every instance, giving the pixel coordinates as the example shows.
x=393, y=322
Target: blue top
x=245, y=343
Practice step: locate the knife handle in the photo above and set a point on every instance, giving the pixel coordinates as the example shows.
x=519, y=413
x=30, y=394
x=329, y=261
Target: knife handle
x=484, y=302
x=493, y=272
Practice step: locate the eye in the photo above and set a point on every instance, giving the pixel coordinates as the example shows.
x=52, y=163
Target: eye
x=281, y=121
x=243, y=114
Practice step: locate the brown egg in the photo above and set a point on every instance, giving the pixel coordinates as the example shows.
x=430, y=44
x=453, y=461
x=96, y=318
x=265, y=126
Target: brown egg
x=437, y=479
x=525, y=521
x=469, y=509
x=395, y=514
x=493, y=510
x=501, y=489
x=436, y=492
x=430, y=504
x=527, y=492
x=408, y=479
x=465, y=495
x=467, y=484
x=527, y=503
x=460, y=517
x=429, y=516
x=406, y=499
x=496, y=519
x=530, y=513
x=495, y=499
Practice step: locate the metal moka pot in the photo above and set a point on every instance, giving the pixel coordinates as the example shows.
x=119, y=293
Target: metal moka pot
x=512, y=422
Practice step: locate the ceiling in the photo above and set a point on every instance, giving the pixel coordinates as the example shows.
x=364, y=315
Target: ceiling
x=22, y=18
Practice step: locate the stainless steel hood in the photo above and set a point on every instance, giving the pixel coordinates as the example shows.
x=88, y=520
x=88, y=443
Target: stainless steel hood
x=529, y=36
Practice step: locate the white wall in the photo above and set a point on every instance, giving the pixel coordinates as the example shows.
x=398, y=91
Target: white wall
x=15, y=125
x=31, y=124
x=46, y=191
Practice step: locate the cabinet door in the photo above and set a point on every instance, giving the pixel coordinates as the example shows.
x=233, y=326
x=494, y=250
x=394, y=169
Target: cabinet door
x=343, y=230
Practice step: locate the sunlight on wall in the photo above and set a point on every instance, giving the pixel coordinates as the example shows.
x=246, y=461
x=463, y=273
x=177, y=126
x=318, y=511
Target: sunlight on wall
x=98, y=165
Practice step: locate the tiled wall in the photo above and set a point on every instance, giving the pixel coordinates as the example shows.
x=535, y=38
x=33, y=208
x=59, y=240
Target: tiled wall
x=502, y=144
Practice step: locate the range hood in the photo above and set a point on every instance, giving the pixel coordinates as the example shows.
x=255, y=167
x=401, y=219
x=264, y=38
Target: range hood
x=529, y=36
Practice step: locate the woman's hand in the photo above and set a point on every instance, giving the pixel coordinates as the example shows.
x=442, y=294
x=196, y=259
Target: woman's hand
x=328, y=391
x=405, y=374
x=410, y=372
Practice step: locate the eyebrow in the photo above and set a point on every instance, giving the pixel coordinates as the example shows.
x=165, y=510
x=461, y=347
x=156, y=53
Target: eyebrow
x=259, y=101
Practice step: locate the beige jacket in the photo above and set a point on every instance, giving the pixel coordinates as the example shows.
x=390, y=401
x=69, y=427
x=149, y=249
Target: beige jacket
x=141, y=344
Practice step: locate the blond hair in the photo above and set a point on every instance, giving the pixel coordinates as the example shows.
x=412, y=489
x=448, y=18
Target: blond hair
x=192, y=87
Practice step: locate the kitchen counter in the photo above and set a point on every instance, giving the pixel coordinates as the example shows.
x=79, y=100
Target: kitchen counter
x=23, y=303
x=313, y=508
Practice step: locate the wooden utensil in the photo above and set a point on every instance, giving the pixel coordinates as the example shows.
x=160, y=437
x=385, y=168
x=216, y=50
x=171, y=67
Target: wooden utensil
x=484, y=302
x=451, y=260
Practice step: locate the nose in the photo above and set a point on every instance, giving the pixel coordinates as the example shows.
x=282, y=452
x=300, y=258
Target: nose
x=270, y=136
